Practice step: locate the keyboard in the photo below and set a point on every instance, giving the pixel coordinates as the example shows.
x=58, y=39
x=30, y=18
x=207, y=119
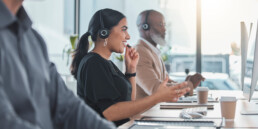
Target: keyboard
x=200, y=110
x=192, y=99
x=167, y=127
x=175, y=122
x=203, y=123
x=184, y=105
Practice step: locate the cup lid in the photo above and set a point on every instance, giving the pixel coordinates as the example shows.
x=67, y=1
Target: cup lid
x=228, y=98
x=202, y=89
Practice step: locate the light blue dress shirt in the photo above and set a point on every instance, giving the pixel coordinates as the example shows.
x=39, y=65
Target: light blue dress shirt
x=32, y=93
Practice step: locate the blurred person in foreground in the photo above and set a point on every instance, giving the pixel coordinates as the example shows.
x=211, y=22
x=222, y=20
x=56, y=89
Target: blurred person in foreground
x=32, y=93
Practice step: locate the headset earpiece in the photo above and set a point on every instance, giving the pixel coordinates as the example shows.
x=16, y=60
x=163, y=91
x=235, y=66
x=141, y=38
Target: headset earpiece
x=146, y=26
x=103, y=32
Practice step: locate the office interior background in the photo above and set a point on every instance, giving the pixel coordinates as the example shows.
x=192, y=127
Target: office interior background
x=209, y=26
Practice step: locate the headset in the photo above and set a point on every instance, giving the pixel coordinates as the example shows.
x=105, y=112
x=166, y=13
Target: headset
x=146, y=26
x=103, y=32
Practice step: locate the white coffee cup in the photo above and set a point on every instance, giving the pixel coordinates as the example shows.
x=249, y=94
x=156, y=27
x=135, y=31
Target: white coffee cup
x=202, y=95
x=228, y=107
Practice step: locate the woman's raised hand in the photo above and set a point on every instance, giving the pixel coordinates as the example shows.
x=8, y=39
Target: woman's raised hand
x=172, y=93
x=131, y=59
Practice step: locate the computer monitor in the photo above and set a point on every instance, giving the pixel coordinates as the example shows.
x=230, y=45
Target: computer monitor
x=249, y=54
x=251, y=65
x=244, y=44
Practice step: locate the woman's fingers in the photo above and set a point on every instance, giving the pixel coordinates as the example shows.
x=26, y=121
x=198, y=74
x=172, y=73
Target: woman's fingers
x=132, y=52
x=184, y=91
x=136, y=55
x=127, y=50
x=180, y=89
x=180, y=85
x=174, y=99
x=164, y=83
x=174, y=92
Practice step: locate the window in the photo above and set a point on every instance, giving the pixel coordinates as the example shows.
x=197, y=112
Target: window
x=180, y=19
x=220, y=30
x=53, y=19
x=221, y=35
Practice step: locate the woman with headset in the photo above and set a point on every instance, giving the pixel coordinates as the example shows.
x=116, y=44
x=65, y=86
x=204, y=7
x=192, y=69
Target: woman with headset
x=100, y=83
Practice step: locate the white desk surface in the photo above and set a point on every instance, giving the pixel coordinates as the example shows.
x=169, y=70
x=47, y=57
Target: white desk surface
x=240, y=121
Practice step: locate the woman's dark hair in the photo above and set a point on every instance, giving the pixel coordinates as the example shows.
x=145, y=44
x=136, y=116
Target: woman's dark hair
x=110, y=18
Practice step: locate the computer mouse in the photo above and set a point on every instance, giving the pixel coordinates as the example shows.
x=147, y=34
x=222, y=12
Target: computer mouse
x=184, y=115
x=195, y=115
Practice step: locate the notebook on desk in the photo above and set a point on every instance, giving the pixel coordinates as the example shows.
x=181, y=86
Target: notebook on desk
x=192, y=99
x=184, y=105
x=175, y=122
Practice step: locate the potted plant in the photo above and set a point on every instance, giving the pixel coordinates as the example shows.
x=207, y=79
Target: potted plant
x=165, y=53
x=119, y=61
x=68, y=49
x=120, y=58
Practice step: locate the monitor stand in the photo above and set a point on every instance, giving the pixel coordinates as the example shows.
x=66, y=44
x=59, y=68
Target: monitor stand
x=250, y=111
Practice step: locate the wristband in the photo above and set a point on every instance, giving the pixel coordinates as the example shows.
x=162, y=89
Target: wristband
x=128, y=75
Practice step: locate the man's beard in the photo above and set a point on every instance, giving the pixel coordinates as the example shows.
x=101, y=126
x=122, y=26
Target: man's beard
x=158, y=39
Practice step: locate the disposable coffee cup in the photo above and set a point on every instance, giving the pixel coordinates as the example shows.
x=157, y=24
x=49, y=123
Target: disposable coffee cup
x=202, y=95
x=228, y=107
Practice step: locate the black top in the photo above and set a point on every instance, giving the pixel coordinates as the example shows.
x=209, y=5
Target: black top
x=101, y=84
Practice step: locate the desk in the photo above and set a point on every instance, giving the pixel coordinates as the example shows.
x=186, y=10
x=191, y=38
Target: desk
x=240, y=121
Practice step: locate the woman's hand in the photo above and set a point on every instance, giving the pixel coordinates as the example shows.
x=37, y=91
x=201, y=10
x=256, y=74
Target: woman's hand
x=171, y=94
x=131, y=59
x=170, y=80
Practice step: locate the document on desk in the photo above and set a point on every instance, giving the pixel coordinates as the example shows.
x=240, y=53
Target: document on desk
x=192, y=99
x=175, y=122
x=184, y=105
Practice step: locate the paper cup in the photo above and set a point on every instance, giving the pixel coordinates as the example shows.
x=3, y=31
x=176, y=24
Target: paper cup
x=202, y=95
x=228, y=107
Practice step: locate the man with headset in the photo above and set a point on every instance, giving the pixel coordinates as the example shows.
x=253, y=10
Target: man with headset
x=32, y=93
x=151, y=69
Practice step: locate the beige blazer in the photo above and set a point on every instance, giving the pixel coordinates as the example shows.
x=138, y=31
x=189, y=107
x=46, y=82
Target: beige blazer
x=150, y=71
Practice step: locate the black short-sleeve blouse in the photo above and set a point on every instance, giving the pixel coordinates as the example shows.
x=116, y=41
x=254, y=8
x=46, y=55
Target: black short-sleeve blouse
x=101, y=84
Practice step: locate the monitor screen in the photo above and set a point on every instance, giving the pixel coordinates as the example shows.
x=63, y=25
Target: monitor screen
x=244, y=43
x=251, y=65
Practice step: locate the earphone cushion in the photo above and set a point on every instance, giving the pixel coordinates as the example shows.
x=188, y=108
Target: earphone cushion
x=145, y=26
x=103, y=33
